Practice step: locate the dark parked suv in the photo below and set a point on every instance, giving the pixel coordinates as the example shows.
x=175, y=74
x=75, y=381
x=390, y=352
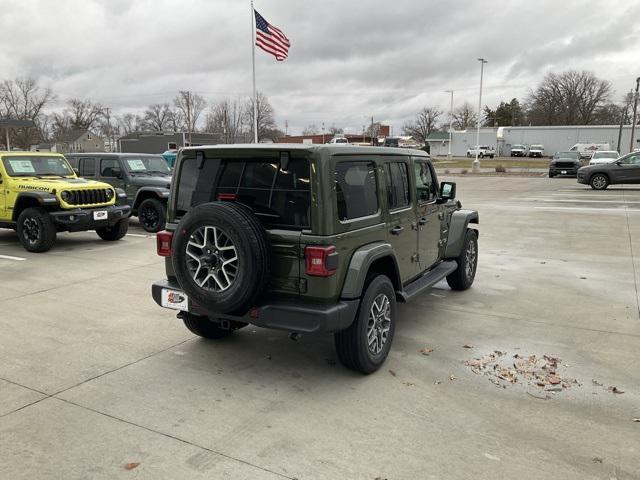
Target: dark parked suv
x=145, y=178
x=310, y=239
x=624, y=170
x=564, y=163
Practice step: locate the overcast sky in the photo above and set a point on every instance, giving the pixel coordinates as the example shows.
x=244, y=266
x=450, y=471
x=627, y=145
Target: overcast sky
x=349, y=59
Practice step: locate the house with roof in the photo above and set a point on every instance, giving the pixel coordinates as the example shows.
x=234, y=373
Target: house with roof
x=79, y=141
x=158, y=142
x=438, y=143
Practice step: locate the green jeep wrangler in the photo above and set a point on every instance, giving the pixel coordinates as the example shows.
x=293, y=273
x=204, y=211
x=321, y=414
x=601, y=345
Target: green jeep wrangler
x=40, y=195
x=144, y=177
x=307, y=238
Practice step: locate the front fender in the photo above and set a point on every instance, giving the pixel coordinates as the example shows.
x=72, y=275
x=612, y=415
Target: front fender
x=160, y=193
x=460, y=220
x=44, y=199
x=359, y=265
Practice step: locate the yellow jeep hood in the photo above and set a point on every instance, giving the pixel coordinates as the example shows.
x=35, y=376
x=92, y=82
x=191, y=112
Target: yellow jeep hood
x=58, y=184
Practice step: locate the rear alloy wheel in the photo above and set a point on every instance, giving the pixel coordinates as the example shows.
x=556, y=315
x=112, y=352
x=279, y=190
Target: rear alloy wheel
x=116, y=232
x=152, y=215
x=599, y=182
x=364, y=346
x=36, y=230
x=462, y=277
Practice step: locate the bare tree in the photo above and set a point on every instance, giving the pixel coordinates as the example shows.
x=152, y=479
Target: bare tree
x=190, y=105
x=310, y=130
x=464, y=116
x=130, y=123
x=425, y=122
x=333, y=130
x=157, y=117
x=225, y=117
x=266, y=122
x=24, y=99
x=83, y=114
x=569, y=98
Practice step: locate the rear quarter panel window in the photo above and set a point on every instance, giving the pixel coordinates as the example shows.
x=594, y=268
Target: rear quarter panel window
x=356, y=189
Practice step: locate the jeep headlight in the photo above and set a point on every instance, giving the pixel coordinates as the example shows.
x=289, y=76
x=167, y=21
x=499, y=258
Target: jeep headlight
x=66, y=196
x=109, y=194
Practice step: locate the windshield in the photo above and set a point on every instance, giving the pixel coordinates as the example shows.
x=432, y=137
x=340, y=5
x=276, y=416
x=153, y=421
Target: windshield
x=521, y=147
x=147, y=164
x=536, y=147
x=36, y=166
x=605, y=155
x=567, y=156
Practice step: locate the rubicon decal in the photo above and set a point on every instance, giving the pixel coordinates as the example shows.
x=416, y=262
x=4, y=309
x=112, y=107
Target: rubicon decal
x=34, y=187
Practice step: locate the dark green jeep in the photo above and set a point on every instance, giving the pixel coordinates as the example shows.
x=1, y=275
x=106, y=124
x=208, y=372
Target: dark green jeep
x=308, y=238
x=144, y=177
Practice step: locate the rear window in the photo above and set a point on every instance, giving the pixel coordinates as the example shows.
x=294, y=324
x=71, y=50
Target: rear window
x=279, y=197
x=356, y=190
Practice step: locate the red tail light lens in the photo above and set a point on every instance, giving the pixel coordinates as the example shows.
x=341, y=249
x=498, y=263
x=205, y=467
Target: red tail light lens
x=163, y=242
x=229, y=197
x=321, y=261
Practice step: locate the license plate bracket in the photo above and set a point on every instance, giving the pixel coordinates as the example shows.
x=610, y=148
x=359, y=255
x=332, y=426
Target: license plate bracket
x=174, y=299
x=100, y=215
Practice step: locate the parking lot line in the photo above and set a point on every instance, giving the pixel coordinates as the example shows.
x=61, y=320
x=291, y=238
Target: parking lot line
x=9, y=257
x=139, y=235
x=622, y=209
x=578, y=200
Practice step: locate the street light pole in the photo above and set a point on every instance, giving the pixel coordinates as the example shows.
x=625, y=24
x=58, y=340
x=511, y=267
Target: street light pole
x=635, y=111
x=450, y=124
x=476, y=162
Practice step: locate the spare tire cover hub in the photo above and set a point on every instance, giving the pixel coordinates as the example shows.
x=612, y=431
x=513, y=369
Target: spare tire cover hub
x=212, y=258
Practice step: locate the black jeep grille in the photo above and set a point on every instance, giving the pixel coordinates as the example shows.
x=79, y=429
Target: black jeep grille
x=88, y=197
x=565, y=165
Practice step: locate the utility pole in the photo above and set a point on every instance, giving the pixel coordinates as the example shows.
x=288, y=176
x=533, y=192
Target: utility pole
x=622, y=117
x=476, y=162
x=286, y=128
x=107, y=114
x=635, y=111
x=372, y=144
x=450, y=124
x=323, y=133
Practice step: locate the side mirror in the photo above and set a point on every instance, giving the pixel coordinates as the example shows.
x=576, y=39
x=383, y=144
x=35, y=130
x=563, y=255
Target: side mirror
x=76, y=171
x=447, y=191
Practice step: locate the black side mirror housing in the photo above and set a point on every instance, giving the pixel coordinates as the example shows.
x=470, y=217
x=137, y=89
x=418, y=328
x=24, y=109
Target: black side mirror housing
x=76, y=171
x=447, y=191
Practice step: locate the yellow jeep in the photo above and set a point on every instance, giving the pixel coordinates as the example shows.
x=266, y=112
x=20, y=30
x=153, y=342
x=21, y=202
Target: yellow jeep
x=41, y=195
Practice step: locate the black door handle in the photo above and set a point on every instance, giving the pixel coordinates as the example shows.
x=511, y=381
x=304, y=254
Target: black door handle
x=397, y=230
x=423, y=221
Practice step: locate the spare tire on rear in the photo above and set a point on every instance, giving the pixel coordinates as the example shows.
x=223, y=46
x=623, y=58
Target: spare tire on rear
x=221, y=258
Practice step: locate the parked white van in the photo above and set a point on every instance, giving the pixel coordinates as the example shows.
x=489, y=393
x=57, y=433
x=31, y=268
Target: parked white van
x=586, y=149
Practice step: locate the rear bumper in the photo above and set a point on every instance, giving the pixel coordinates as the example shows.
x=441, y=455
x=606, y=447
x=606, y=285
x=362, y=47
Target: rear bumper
x=289, y=315
x=81, y=219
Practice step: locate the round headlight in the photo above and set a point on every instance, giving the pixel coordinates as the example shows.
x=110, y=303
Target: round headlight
x=66, y=196
x=109, y=194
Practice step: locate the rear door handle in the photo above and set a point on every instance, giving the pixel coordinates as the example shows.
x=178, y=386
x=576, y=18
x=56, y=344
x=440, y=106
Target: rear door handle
x=397, y=230
x=423, y=221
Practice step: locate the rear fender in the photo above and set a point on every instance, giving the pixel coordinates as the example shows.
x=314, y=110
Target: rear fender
x=360, y=264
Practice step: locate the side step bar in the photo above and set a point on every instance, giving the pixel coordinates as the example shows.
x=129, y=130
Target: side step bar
x=427, y=280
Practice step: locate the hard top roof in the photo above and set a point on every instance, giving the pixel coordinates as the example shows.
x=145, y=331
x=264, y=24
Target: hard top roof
x=328, y=148
x=30, y=154
x=113, y=154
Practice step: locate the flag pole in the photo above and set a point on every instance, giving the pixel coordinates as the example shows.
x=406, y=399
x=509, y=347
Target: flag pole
x=253, y=63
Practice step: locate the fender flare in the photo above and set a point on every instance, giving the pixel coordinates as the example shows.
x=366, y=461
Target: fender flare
x=460, y=220
x=161, y=193
x=359, y=265
x=44, y=199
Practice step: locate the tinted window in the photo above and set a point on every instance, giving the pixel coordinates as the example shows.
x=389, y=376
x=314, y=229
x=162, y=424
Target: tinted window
x=109, y=167
x=279, y=198
x=631, y=160
x=397, y=177
x=88, y=167
x=425, y=185
x=356, y=191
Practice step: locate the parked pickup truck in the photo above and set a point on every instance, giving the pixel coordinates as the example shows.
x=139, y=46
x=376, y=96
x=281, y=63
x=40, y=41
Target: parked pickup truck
x=482, y=151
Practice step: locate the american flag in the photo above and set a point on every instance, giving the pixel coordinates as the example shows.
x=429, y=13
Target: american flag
x=271, y=39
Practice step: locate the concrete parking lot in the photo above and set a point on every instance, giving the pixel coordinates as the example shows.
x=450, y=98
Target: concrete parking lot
x=94, y=376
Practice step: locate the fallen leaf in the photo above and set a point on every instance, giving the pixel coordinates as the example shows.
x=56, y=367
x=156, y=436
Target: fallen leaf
x=596, y=383
x=636, y=420
x=408, y=384
x=554, y=379
x=452, y=377
x=597, y=460
x=614, y=389
x=268, y=357
x=583, y=278
x=546, y=397
x=392, y=373
x=426, y=351
x=132, y=465
x=466, y=345
x=437, y=382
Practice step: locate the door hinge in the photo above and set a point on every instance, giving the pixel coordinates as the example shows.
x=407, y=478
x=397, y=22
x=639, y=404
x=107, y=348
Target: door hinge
x=415, y=258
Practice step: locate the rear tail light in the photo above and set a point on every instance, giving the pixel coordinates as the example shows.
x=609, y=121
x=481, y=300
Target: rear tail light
x=163, y=242
x=230, y=197
x=321, y=261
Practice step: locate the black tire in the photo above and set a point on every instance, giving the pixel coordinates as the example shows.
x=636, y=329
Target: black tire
x=36, y=230
x=248, y=274
x=481, y=155
x=352, y=344
x=468, y=155
x=152, y=214
x=491, y=156
x=111, y=234
x=206, y=328
x=599, y=181
x=551, y=175
x=462, y=277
